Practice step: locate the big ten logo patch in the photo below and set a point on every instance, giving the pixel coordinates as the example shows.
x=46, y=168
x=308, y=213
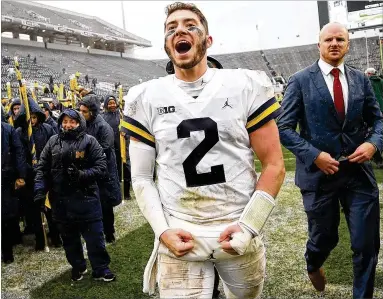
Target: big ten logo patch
x=165, y=110
x=80, y=155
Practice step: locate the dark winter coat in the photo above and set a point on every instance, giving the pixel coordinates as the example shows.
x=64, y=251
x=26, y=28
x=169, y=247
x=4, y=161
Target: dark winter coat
x=377, y=85
x=13, y=166
x=41, y=132
x=113, y=119
x=76, y=200
x=110, y=189
x=50, y=121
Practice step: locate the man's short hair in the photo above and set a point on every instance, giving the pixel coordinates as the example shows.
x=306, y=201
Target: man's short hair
x=186, y=6
x=332, y=23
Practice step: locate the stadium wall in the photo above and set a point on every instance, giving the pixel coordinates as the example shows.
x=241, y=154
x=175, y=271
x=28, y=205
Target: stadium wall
x=65, y=48
x=22, y=42
x=54, y=46
x=103, y=52
x=132, y=55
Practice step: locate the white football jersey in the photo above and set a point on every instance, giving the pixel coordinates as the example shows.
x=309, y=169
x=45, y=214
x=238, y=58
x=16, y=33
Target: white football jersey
x=205, y=164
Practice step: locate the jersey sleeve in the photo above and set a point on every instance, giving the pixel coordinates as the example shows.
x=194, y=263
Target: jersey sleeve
x=262, y=105
x=135, y=122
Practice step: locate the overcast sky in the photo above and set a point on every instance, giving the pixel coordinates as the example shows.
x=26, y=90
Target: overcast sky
x=232, y=24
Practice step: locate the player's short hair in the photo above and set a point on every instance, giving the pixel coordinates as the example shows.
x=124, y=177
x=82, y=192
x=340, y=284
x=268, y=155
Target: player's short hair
x=186, y=6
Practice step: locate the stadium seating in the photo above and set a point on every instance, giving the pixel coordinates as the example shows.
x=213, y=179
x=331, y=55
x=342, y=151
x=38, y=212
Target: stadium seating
x=7, y=8
x=108, y=69
x=284, y=61
x=51, y=63
x=287, y=61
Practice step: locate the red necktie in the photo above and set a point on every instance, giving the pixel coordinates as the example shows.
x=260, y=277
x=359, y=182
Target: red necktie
x=338, y=94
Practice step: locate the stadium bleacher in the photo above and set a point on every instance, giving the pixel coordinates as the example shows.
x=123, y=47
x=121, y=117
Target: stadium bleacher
x=287, y=61
x=53, y=58
x=51, y=62
x=129, y=72
x=61, y=18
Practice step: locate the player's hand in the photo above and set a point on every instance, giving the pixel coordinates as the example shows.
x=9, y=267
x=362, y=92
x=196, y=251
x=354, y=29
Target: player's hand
x=363, y=153
x=326, y=163
x=225, y=237
x=178, y=241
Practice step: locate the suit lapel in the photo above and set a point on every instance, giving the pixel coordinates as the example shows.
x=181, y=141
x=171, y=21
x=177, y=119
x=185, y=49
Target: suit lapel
x=320, y=84
x=351, y=91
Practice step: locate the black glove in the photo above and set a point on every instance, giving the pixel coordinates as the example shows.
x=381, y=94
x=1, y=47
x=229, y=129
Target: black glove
x=39, y=199
x=74, y=173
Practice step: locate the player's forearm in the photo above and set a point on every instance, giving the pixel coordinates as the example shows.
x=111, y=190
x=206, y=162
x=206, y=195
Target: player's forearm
x=271, y=178
x=267, y=147
x=262, y=202
x=142, y=159
x=150, y=205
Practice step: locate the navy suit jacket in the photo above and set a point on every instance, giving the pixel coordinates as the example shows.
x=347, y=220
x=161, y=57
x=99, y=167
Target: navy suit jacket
x=308, y=102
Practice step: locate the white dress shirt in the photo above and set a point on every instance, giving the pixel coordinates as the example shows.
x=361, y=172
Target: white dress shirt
x=329, y=79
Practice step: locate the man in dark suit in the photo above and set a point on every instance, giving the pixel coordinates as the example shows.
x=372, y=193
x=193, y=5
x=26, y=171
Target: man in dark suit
x=340, y=130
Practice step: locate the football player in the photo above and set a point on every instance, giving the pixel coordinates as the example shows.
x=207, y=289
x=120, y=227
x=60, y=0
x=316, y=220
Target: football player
x=202, y=127
x=211, y=63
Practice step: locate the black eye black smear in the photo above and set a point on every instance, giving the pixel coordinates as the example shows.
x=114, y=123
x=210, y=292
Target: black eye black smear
x=199, y=31
x=169, y=33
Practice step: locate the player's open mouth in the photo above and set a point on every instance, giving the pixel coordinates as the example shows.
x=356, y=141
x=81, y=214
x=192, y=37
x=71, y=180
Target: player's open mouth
x=183, y=46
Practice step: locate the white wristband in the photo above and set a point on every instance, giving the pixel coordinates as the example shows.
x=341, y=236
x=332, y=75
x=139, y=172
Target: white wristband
x=257, y=211
x=240, y=241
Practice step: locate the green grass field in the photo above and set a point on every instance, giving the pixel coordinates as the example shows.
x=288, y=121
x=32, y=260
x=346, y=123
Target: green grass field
x=47, y=275
x=287, y=156
x=129, y=256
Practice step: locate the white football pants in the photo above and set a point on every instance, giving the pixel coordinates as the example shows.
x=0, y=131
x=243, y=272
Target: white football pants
x=192, y=276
